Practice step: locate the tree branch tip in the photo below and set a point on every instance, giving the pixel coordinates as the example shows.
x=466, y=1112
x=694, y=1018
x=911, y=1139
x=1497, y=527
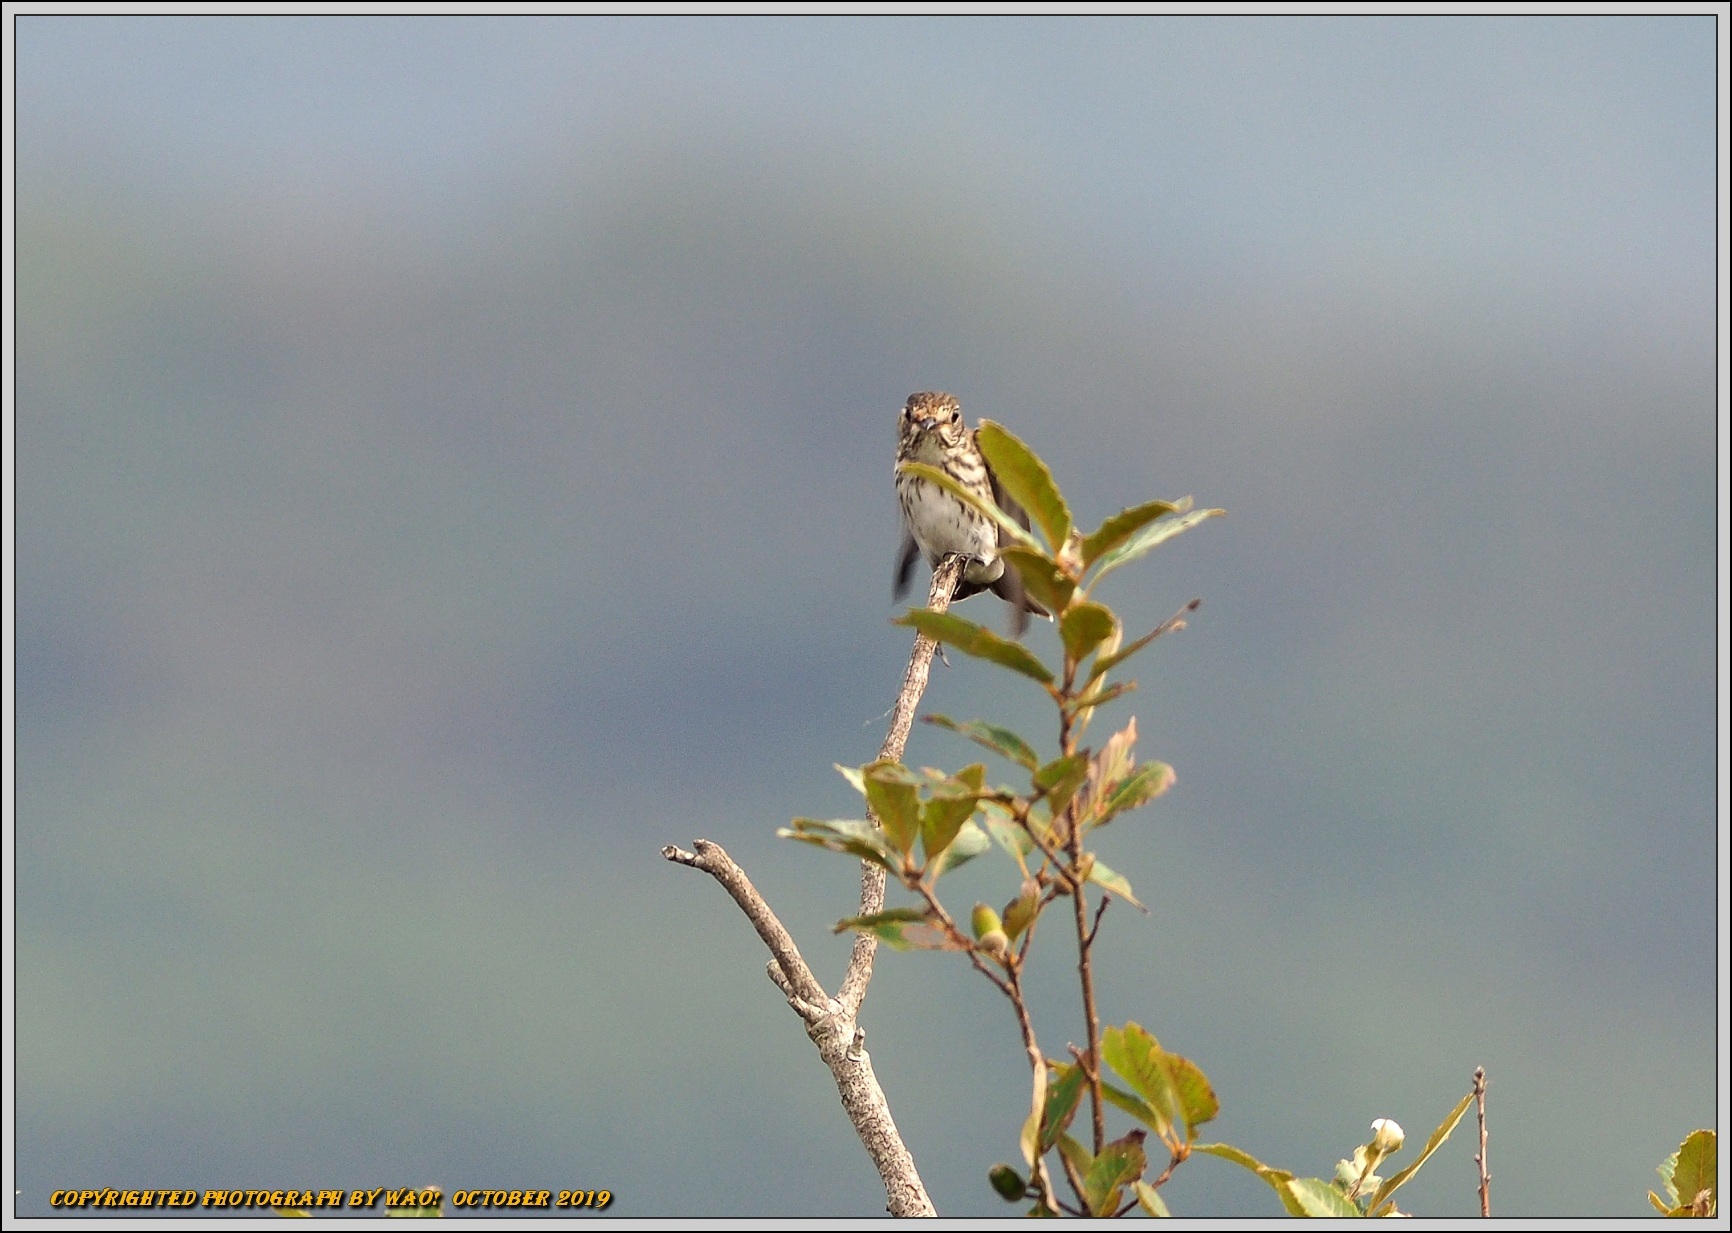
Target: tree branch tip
x=679, y=856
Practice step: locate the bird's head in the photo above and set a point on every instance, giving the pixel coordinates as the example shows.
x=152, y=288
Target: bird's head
x=932, y=421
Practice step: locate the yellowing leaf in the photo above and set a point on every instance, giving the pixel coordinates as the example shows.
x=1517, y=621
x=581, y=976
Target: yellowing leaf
x=1025, y=479
x=976, y=640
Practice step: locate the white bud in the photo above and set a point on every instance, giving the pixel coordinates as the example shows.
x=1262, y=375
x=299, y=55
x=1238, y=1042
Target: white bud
x=1386, y=1136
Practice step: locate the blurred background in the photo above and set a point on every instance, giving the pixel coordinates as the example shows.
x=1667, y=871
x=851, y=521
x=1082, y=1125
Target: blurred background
x=454, y=460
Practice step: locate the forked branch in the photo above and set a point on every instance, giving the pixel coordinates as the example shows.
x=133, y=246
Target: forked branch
x=832, y=1022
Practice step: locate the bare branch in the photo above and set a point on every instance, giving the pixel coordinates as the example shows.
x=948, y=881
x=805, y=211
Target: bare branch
x=859, y=974
x=832, y=1023
x=832, y=1029
x=719, y=865
x=1479, y=1086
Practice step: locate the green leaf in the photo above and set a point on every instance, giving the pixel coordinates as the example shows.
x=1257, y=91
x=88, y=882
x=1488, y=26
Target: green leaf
x=1385, y=1191
x=1061, y=1102
x=895, y=801
x=952, y=803
x=1197, y=1101
x=999, y=740
x=1101, y=696
x=976, y=640
x=1149, y=1199
x=901, y=928
x=1121, y=526
x=1078, y=1157
x=987, y=508
x=1041, y=576
x=940, y=819
x=1106, y=663
x=1150, y=537
x=1118, y=1164
x=1172, y=1090
x=1136, y=1056
x=969, y=843
x=969, y=781
x=1312, y=1196
x=1011, y=837
x=1084, y=627
x=1059, y=779
x=1113, y=883
x=852, y=774
x=1136, y=1106
x=1277, y=1178
x=1694, y=1169
x=1226, y=1151
x=1025, y=479
x=1142, y=786
x=857, y=837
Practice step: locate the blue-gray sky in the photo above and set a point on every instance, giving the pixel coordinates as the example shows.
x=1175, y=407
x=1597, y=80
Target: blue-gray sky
x=453, y=461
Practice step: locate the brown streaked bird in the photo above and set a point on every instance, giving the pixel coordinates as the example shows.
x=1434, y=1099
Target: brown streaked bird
x=935, y=523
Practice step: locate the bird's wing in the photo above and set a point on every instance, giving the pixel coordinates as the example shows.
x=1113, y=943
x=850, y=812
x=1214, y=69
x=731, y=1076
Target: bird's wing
x=905, y=564
x=1008, y=506
x=1009, y=585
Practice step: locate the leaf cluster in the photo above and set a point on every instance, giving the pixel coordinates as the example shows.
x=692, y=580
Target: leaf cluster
x=1166, y=1094
x=921, y=825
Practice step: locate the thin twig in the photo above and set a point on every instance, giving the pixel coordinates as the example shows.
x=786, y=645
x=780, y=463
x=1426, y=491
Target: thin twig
x=1479, y=1086
x=1070, y=836
x=859, y=974
x=1099, y=912
x=1019, y=812
x=1076, y=1184
x=1176, y=622
x=1160, y=1181
x=958, y=939
x=1179, y=1158
x=1010, y=984
x=1036, y=1064
x=1086, y=973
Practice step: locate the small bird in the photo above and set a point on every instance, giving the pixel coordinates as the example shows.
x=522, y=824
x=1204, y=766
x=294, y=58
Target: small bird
x=936, y=523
